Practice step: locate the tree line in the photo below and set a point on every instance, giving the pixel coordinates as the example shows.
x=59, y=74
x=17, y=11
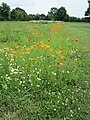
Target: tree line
x=55, y=14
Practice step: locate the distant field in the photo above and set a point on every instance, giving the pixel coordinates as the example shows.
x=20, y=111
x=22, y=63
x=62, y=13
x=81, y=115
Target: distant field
x=44, y=71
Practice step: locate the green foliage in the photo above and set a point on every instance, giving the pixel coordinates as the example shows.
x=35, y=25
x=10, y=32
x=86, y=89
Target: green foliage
x=87, y=13
x=52, y=13
x=61, y=14
x=18, y=14
x=31, y=17
x=58, y=14
x=4, y=11
x=55, y=14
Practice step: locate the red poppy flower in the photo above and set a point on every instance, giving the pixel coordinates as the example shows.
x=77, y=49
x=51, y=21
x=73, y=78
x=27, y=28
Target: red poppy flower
x=58, y=63
x=76, y=40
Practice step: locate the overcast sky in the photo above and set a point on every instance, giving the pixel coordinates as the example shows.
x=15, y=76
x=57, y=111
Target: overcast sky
x=74, y=7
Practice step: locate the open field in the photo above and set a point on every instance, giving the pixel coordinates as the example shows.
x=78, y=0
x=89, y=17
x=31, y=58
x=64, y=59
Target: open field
x=44, y=71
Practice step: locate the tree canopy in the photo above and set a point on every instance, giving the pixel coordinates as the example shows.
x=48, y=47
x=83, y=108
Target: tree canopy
x=18, y=14
x=4, y=11
x=87, y=13
x=55, y=14
x=52, y=13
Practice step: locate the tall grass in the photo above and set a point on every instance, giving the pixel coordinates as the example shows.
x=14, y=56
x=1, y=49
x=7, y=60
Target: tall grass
x=43, y=71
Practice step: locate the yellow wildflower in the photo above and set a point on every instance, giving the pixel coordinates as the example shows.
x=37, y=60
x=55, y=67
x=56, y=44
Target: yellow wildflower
x=17, y=46
x=14, y=52
x=42, y=44
x=16, y=56
x=28, y=49
x=23, y=53
x=62, y=56
x=47, y=46
x=35, y=43
x=12, y=59
x=34, y=58
x=24, y=46
x=8, y=57
x=52, y=55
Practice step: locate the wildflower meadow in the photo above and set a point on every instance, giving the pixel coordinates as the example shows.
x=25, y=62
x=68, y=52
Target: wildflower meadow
x=44, y=71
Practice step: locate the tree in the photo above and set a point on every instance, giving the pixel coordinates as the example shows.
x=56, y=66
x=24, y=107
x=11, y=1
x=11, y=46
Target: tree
x=66, y=18
x=61, y=14
x=37, y=17
x=4, y=11
x=52, y=13
x=47, y=17
x=30, y=17
x=42, y=17
x=18, y=14
x=58, y=14
x=87, y=13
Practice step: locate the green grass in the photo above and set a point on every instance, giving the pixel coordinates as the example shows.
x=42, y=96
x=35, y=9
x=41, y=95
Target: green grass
x=44, y=71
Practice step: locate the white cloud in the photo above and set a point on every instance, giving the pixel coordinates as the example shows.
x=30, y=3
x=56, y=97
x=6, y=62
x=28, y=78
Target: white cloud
x=73, y=7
